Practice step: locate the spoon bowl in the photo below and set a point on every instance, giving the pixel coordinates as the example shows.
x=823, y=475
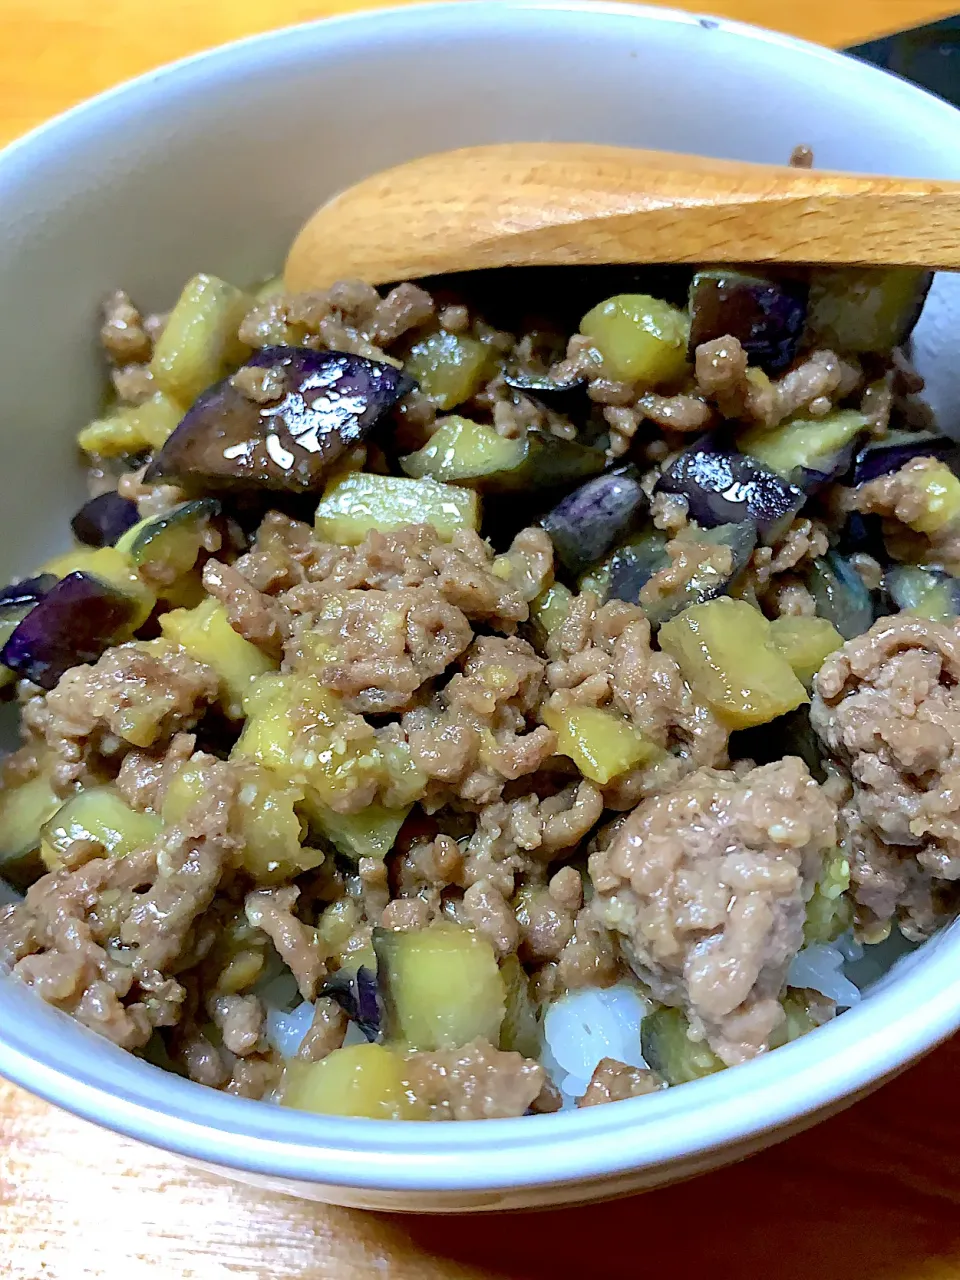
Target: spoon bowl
x=573, y=204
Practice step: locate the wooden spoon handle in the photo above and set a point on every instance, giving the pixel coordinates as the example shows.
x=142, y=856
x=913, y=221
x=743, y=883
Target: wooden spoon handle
x=551, y=204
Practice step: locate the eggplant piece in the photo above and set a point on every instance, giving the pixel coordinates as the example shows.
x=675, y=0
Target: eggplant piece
x=789, y=735
x=569, y=398
x=766, y=316
x=865, y=309
x=725, y=487
x=707, y=584
x=641, y=338
x=450, y=368
x=897, y=449
x=668, y=1050
x=327, y=402
x=357, y=995
x=840, y=595
x=16, y=601
x=23, y=811
x=441, y=987
x=27, y=592
x=928, y=593
x=102, y=520
x=588, y=522
x=632, y=566
x=74, y=623
x=465, y=453
x=163, y=548
x=809, y=452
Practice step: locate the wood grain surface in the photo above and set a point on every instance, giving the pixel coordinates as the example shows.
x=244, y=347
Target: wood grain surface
x=550, y=204
x=873, y=1194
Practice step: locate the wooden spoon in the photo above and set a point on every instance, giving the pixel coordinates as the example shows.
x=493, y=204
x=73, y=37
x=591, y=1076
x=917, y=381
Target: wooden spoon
x=551, y=204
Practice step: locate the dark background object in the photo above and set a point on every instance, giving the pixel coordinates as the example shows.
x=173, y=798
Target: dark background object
x=928, y=55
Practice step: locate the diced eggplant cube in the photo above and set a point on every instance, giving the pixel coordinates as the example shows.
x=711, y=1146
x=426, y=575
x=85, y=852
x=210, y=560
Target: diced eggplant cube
x=27, y=592
x=766, y=316
x=895, y=450
x=592, y=519
x=325, y=402
x=74, y=623
x=101, y=521
x=723, y=486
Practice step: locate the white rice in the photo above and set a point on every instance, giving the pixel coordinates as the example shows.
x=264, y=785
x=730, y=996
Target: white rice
x=584, y=1026
x=285, y=1031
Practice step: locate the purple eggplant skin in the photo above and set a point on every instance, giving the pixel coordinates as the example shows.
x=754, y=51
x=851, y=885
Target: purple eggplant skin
x=825, y=470
x=101, y=521
x=569, y=398
x=767, y=316
x=595, y=517
x=725, y=487
x=358, y=996
x=897, y=449
x=72, y=624
x=27, y=592
x=327, y=402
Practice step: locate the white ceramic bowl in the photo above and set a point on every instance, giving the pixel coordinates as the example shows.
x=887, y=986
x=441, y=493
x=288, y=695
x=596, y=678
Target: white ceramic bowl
x=213, y=164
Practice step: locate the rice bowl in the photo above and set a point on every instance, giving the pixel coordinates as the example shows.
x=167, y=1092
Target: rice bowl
x=789, y=1056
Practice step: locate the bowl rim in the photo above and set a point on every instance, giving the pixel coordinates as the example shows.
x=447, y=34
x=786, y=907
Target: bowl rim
x=847, y=1057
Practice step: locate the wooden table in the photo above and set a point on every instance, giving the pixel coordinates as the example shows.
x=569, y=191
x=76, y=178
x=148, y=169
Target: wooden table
x=870, y=1195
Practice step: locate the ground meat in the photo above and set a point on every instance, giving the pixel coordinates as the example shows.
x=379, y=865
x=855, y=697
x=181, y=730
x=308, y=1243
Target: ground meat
x=705, y=886
x=376, y=648
x=899, y=498
x=546, y=925
x=684, y=413
x=521, y=836
x=122, y=334
x=486, y=911
x=143, y=776
x=253, y=615
x=326, y=1033
x=689, y=560
x=479, y=732
x=589, y=959
x=426, y=867
x=476, y=1082
x=805, y=540
x=349, y=316
x=240, y=1020
x=151, y=499
x=669, y=512
x=724, y=379
x=404, y=308
x=103, y=941
x=254, y=1077
x=612, y=1081
x=299, y=946
x=137, y=694
x=133, y=383
x=288, y=558
x=789, y=597
x=887, y=705
x=602, y=656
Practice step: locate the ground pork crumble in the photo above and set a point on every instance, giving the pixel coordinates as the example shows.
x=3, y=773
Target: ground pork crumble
x=324, y=748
